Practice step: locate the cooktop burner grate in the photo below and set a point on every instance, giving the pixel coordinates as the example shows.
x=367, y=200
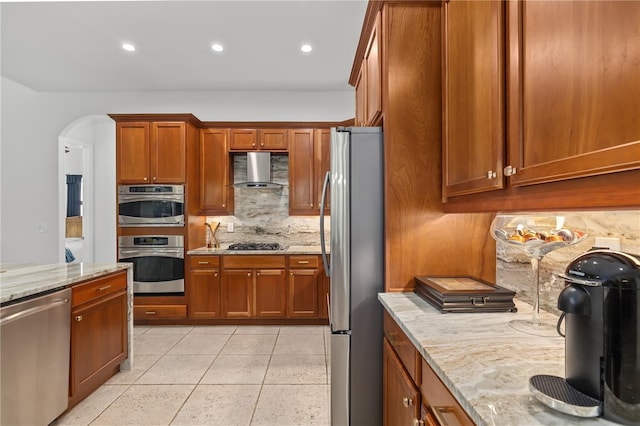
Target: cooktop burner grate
x=254, y=246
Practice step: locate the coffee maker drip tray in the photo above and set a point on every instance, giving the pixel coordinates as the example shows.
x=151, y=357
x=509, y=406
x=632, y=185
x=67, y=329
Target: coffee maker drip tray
x=556, y=393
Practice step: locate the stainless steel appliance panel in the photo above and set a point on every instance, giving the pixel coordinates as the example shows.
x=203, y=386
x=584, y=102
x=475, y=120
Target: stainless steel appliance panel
x=158, y=262
x=150, y=205
x=34, y=359
x=357, y=274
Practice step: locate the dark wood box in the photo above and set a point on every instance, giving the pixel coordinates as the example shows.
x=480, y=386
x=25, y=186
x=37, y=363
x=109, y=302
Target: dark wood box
x=464, y=294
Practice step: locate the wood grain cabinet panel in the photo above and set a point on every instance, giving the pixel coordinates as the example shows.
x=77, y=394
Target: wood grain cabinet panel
x=259, y=139
x=215, y=172
x=574, y=97
x=303, y=293
x=361, y=96
x=98, y=334
x=443, y=406
x=273, y=139
x=204, y=293
x=243, y=139
x=309, y=161
x=270, y=293
x=373, y=75
x=237, y=293
x=473, y=96
x=151, y=152
x=401, y=397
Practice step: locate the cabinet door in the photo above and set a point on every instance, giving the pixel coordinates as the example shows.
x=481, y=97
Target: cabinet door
x=322, y=164
x=273, y=139
x=473, y=142
x=214, y=171
x=303, y=293
x=401, y=397
x=442, y=404
x=132, y=152
x=574, y=97
x=361, y=100
x=301, y=175
x=237, y=293
x=243, y=139
x=270, y=298
x=98, y=342
x=204, y=293
x=373, y=75
x=168, y=151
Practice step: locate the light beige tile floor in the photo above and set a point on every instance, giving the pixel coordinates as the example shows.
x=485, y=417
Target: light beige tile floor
x=216, y=375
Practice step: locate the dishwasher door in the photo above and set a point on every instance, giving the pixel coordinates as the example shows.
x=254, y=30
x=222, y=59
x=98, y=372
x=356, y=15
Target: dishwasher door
x=34, y=359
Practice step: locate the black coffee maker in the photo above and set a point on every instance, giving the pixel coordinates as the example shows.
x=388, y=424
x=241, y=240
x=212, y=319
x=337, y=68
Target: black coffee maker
x=601, y=309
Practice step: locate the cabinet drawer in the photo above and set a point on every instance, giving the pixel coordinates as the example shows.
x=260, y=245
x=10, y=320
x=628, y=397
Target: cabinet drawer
x=403, y=346
x=204, y=262
x=442, y=404
x=94, y=289
x=253, y=262
x=305, y=262
x=160, y=311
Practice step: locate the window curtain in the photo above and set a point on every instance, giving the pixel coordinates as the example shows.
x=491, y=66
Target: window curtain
x=73, y=195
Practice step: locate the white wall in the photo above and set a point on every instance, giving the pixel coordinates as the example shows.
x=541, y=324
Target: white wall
x=32, y=121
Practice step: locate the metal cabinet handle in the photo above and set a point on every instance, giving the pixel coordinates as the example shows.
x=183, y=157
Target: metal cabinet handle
x=106, y=287
x=258, y=273
x=150, y=313
x=407, y=402
x=223, y=205
x=144, y=178
x=248, y=274
x=417, y=422
x=303, y=262
x=78, y=318
x=509, y=170
x=201, y=262
x=262, y=144
x=215, y=274
x=491, y=174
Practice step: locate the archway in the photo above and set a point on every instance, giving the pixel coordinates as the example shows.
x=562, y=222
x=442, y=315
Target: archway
x=86, y=147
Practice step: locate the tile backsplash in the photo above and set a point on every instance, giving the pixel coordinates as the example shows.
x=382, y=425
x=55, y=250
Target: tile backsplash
x=262, y=215
x=513, y=268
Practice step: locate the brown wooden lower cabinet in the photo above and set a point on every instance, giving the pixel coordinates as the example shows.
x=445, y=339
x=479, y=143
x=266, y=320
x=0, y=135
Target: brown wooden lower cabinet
x=270, y=293
x=303, y=293
x=413, y=394
x=401, y=396
x=98, y=333
x=237, y=293
x=204, y=287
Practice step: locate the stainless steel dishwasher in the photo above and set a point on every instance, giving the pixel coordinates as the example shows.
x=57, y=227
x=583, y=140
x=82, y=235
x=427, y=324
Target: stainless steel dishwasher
x=34, y=359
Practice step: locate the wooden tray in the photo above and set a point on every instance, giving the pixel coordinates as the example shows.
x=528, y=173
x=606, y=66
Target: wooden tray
x=464, y=294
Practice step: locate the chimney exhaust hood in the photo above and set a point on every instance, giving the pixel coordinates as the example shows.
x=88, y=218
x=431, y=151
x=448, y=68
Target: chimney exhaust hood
x=258, y=171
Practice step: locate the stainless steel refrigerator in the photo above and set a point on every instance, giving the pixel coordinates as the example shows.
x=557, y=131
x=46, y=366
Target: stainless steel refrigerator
x=356, y=187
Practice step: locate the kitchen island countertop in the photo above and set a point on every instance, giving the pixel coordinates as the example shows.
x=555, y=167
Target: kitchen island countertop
x=483, y=361
x=287, y=250
x=23, y=280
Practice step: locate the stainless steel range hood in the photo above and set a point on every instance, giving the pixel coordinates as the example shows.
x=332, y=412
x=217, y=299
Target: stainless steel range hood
x=258, y=171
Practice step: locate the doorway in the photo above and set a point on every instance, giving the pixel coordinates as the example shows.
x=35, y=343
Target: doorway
x=87, y=158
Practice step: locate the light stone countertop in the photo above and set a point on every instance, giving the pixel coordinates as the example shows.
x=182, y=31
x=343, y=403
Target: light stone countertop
x=287, y=250
x=22, y=280
x=484, y=362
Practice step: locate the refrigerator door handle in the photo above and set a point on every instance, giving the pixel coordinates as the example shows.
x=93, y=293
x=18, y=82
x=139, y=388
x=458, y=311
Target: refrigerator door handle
x=323, y=199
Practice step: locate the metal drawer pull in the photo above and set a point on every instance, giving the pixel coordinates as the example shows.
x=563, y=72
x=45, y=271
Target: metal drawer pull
x=78, y=318
x=479, y=301
x=150, y=313
x=417, y=422
x=106, y=287
x=407, y=402
x=203, y=263
x=303, y=262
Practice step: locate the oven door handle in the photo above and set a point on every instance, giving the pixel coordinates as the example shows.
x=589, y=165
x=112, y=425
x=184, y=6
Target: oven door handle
x=124, y=253
x=156, y=197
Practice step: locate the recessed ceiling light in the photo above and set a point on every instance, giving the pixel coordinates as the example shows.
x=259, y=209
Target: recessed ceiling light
x=128, y=47
x=216, y=47
x=306, y=48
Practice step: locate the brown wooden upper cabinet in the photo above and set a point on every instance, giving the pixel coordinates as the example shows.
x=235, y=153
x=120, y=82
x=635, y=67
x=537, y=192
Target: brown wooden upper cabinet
x=259, y=139
x=151, y=152
x=473, y=96
x=573, y=100
x=574, y=97
x=309, y=158
x=216, y=196
x=369, y=82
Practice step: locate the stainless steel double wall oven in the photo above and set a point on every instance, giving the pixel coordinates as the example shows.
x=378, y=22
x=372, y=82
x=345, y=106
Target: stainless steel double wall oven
x=158, y=259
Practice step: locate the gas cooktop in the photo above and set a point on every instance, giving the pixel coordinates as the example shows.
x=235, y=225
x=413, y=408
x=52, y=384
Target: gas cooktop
x=254, y=246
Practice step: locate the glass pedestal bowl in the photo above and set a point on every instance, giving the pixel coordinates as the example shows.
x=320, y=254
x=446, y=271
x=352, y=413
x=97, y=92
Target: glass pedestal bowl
x=536, y=236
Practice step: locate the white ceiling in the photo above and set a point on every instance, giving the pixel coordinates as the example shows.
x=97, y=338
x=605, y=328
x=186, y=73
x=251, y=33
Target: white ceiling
x=76, y=46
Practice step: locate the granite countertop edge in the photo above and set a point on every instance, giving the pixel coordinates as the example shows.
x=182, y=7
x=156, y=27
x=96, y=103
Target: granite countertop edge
x=483, y=362
x=23, y=280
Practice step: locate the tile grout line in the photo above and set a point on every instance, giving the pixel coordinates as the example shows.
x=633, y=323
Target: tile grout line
x=255, y=406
